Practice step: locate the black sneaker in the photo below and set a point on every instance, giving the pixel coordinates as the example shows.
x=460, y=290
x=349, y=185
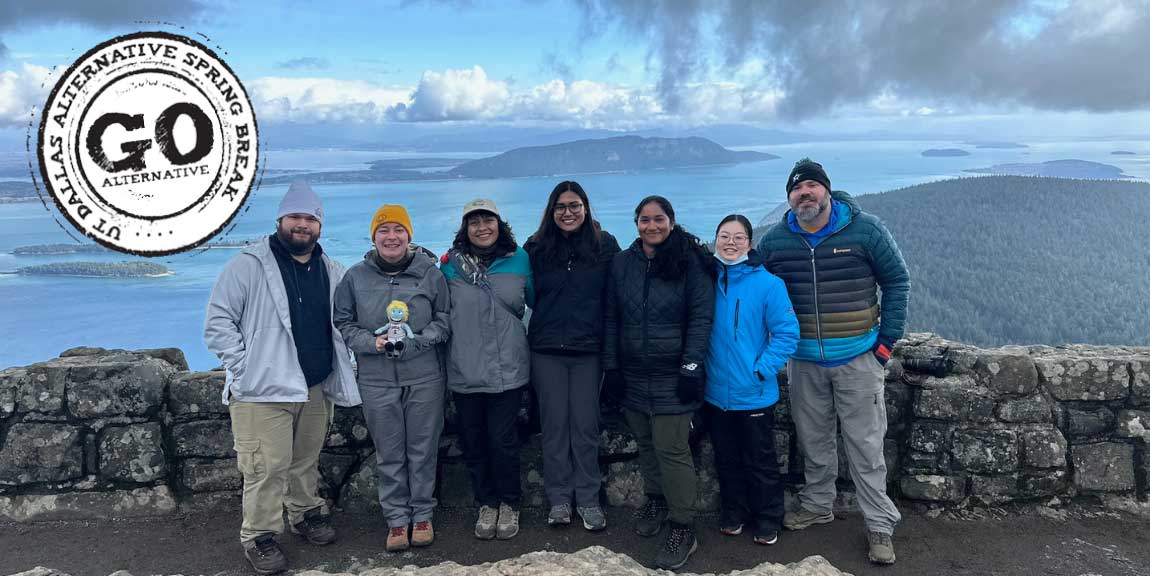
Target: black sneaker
x=316, y=527
x=677, y=548
x=649, y=519
x=265, y=555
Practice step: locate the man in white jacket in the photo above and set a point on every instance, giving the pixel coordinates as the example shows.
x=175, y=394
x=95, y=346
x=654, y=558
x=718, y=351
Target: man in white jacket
x=269, y=321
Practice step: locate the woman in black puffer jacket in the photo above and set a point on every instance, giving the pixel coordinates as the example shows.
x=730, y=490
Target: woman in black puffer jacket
x=659, y=304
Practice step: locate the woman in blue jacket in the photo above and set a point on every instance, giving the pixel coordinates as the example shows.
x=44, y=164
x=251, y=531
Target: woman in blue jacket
x=754, y=333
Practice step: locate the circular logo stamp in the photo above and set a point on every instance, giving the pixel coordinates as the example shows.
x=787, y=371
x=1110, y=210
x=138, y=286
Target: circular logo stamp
x=148, y=144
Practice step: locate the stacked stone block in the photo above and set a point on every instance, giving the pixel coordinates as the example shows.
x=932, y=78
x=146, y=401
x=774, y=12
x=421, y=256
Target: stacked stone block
x=100, y=433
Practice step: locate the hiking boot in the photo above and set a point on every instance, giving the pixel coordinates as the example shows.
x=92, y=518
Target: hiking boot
x=593, y=517
x=316, y=527
x=485, y=525
x=649, y=520
x=881, y=548
x=422, y=534
x=560, y=515
x=265, y=555
x=677, y=548
x=397, y=539
x=803, y=518
x=767, y=538
x=508, y=525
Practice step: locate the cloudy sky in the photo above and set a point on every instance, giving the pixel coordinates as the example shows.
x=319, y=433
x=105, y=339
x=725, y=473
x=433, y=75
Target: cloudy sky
x=1029, y=67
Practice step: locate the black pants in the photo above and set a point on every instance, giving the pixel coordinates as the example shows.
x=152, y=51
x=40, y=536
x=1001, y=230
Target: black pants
x=489, y=438
x=750, y=486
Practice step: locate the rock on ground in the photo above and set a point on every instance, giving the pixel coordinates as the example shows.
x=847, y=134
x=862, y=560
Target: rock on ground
x=592, y=561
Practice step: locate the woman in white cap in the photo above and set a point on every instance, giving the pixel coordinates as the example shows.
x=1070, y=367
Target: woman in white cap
x=489, y=277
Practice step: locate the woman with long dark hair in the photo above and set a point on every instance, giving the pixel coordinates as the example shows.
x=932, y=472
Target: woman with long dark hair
x=660, y=302
x=570, y=256
x=489, y=277
x=754, y=332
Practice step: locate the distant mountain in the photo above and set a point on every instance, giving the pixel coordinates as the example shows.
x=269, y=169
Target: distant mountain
x=17, y=192
x=997, y=145
x=1056, y=169
x=1023, y=260
x=98, y=269
x=945, y=153
x=1123, y=153
x=623, y=153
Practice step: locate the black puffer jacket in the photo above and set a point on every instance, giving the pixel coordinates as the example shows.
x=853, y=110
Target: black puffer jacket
x=568, y=312
x=656, y=330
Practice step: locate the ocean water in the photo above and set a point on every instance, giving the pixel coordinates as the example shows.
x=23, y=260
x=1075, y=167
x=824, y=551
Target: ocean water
x=42, y=316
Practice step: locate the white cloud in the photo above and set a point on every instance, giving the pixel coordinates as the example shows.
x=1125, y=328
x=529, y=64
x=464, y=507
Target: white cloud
x=278, y=99
x=470, y=95
x=19, y=92
x=455, y=95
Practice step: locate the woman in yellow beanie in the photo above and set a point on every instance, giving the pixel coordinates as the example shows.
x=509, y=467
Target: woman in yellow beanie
x=402, y=387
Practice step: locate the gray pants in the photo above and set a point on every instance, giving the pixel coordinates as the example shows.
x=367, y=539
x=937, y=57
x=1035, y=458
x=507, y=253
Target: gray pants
x=854, y=393
x=568, y=391
x=405, y=424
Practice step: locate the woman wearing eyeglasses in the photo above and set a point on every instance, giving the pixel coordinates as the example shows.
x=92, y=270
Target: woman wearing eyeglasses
x=754, y=333
x=570, y=255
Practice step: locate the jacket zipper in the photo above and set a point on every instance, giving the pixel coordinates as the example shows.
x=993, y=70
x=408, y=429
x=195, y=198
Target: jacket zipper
x=815, y=290
x=737, y=302
x=646, y=290
x=391, y=282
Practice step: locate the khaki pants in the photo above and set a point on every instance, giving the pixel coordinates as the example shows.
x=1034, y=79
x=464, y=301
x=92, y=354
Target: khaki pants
x=853, y=395
x=277, y=447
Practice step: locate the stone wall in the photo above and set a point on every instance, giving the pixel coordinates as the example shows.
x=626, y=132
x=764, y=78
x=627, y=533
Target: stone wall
x=111, y=433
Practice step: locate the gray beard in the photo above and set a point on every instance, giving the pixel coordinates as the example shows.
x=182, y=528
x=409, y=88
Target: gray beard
x=806, y=215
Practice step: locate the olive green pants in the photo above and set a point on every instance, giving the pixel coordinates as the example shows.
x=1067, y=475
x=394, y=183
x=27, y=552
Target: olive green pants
x=665, y=460
x=277, y=448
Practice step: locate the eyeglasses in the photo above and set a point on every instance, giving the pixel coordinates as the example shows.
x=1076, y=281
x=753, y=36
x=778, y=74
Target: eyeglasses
x=574, y=208
x=737, y=238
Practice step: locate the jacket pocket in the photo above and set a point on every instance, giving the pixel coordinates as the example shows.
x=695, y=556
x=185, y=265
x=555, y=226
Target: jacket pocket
x=249, y=459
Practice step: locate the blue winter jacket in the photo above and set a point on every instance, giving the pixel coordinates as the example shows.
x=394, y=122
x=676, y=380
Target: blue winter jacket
x=754, y=332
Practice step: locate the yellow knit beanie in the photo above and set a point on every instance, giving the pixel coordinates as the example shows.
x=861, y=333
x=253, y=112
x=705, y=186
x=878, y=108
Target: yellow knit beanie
x=391, y=213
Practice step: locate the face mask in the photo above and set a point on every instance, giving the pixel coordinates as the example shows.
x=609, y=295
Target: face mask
x=738, y=260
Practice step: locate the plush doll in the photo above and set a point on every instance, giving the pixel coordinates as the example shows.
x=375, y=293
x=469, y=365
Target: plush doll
x=397, y=329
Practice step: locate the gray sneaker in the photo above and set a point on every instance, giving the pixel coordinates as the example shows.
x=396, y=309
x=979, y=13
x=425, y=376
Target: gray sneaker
x=265, y=555
x=560, y=515
x=593, y=517
x=881, y=548
x=508, y=525
x=485, y=525
x=803, y=518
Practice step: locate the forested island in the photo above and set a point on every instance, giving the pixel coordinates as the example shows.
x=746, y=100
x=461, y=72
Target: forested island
x=58, y=249
x=1056, y=169
x=97, y=269
x=1000, y=260
x=17, y=192
x=998, y=145
x=944, y=153
x=618, y=154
